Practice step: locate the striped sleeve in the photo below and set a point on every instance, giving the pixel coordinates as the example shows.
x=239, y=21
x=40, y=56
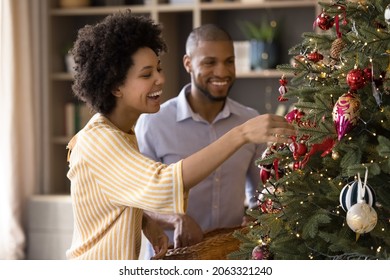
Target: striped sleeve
x=126, y=176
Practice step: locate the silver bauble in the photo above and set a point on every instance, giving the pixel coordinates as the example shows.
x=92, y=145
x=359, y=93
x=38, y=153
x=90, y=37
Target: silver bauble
x=387, y=14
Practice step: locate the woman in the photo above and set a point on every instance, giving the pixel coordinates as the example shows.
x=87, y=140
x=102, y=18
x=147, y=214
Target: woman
x=118, y=74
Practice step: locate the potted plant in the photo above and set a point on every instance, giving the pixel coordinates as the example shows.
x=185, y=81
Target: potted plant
x=263, y=43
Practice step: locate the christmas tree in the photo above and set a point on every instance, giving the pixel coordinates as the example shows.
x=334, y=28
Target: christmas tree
x=326, y=195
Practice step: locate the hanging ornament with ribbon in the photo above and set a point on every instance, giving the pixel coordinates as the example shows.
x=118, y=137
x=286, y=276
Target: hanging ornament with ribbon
x=345, y=113
x=361, y=217
x=323, y=21
x=352, y=192
x=282, y=89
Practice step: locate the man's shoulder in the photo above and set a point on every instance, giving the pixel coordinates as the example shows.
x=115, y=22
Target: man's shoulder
x=167, y=110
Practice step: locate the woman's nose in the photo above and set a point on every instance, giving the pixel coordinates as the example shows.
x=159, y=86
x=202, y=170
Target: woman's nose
x=161, y=79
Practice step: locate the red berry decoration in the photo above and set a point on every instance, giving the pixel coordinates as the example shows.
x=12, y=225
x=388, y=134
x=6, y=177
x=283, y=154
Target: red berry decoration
x=324, y=21
x=356, y=79
x=315, y=56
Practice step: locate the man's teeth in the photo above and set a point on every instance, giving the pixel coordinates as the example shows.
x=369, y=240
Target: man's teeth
x=219, y=83
x=155, y=94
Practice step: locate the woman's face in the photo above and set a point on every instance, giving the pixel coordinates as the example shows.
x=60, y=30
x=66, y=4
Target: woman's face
x=142, y=89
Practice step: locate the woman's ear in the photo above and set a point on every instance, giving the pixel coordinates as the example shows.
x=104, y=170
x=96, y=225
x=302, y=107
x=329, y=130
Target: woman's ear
x=117, y=92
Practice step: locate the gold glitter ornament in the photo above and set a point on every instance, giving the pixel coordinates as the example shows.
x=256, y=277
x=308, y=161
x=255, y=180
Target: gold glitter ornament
x=335, y=155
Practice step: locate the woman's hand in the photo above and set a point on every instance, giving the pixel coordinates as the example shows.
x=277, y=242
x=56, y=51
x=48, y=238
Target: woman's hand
x=268, y=128
x=156, y=236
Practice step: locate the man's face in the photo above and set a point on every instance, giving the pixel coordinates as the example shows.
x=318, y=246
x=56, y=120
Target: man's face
x=212, y=68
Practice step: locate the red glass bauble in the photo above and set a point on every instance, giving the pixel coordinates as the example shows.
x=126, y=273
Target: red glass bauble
x=294, y=115
x=356, y=79
x=315, y=57
x=324, y=21
x=298, y=149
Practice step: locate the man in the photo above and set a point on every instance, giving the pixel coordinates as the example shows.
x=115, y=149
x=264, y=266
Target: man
x=199, y=115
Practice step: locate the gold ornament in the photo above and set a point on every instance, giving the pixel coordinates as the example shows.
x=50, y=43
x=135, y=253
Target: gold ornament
x=335, y=155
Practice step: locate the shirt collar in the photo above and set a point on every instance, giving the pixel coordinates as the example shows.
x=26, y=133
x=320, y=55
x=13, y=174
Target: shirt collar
x=184, y=110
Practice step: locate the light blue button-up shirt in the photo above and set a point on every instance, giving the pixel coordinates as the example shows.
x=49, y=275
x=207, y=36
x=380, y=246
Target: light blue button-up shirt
x=176, y=132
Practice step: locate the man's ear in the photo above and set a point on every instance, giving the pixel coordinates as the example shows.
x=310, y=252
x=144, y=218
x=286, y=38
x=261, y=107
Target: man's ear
x=187, y=63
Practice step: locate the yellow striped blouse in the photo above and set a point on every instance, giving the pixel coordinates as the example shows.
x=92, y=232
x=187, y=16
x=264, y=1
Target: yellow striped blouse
x=111, y=184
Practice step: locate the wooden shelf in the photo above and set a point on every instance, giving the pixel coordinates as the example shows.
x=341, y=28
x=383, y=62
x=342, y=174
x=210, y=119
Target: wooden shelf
x=92, y=11
x=259, y=5
x=272, y=73
x=206, y=6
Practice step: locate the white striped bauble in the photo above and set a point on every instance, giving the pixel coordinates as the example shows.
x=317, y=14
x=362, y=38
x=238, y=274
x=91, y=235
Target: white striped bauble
x=349, y=195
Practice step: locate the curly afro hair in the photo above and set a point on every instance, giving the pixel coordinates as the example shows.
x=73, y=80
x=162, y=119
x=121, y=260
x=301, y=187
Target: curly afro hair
x=103, y=55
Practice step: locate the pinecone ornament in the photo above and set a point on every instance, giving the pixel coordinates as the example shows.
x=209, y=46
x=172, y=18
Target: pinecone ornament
x=337, y=46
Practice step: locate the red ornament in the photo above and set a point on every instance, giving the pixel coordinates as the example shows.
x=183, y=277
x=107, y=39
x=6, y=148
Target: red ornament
x=356, y=79
x=282, y=89
x=315, y=56
x=261, y=252
x=368, y=74
x=325, y=147
x=265, y=173
x=265, y=170
x=294, y=116
x=298, y=149
x=267, y=206
x=345, y=113
x=324, y=21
